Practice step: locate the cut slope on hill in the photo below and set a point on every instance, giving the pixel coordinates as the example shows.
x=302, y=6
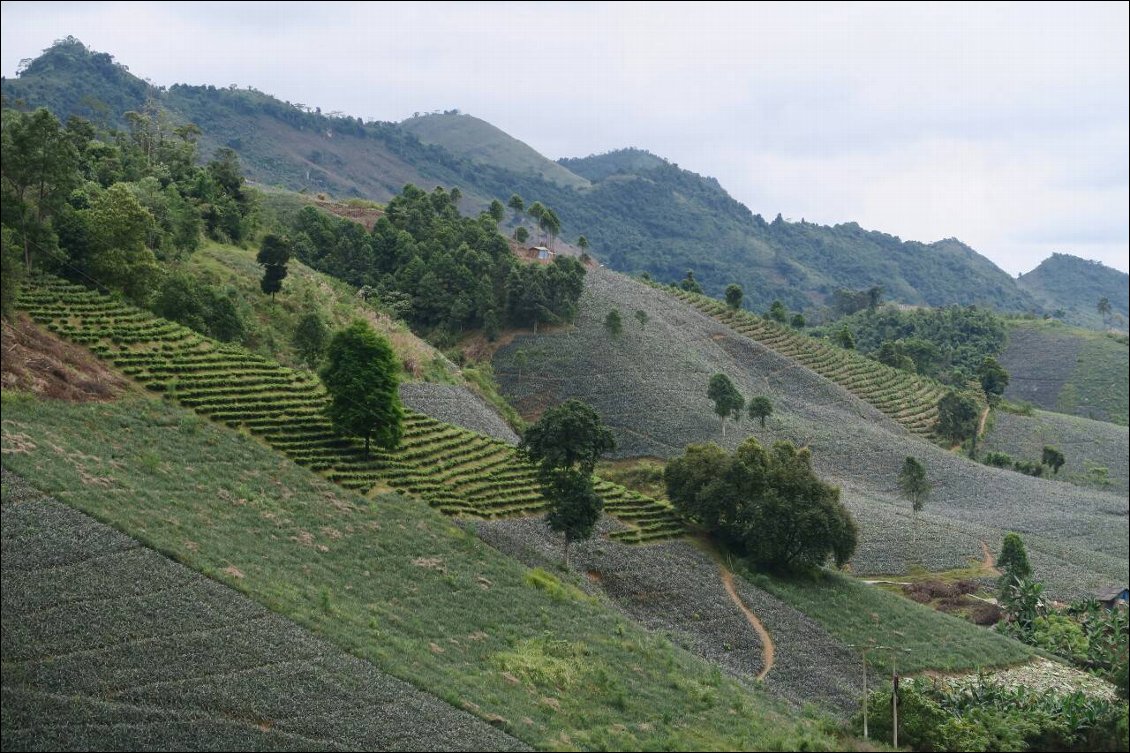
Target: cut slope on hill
x=390, y=581
x=1097, y=452
x=1068, y=370
x=649, y=385
x=38, y=361
x=1075, y=286
x=108, y=644
x=455, y=470
x=482, y=143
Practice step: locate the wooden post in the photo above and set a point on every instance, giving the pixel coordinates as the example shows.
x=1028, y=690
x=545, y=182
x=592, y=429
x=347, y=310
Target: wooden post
x=894, y=701
x=865, y=735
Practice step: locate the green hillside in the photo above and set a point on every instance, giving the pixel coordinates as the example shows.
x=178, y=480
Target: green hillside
x=909, y=399
x=1095, y=452
x=79, y=595
x=479, y=141
x=649, y=385
x=642, y=213
x=455, y=470
x=1066, y=369
x=387, y=580
x=1074, y=286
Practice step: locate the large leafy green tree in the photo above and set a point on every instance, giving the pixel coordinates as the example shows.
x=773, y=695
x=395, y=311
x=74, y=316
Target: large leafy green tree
x=310, y=338
x=570, y=436
x=993, y=377
x=362, y=375
x=114, y=253
x=574, y=507
x=766, y=503
x=273, y=256
x=566, y=443
x=760, y=407
x=1052, y=458
x=728, y=402
x=914, y=486
x=913, y=483
x=614, y=323
x=734, y=296
x=957, y=417
x=1013, y=560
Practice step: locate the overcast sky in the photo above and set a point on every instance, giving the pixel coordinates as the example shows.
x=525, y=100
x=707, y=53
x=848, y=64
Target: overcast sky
x=1006, y=126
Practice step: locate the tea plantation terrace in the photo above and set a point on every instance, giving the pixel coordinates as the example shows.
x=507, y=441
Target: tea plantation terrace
x=909, y=399
x=453, y=469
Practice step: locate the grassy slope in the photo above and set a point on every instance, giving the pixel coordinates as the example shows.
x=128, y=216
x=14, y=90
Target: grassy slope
x=389, y=580
x=107, y=643
x=1069, y=370
x=272, y=322
x=1087, y=445
x=481, y=142
x=650, y=386
x=859, y=614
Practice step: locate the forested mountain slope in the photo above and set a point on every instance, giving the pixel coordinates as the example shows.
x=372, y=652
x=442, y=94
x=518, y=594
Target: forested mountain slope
x=1074, y=286
x=641, y=213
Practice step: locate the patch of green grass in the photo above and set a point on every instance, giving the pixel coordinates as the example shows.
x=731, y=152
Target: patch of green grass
x=644, y=475
x=391, y=581
x=859, y=614
x=1100, y=381
x=481, y=379
x=271, y=322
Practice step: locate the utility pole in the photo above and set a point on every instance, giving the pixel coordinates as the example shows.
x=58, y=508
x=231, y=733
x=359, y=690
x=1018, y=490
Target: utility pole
x=894, y=701
x=864, y=649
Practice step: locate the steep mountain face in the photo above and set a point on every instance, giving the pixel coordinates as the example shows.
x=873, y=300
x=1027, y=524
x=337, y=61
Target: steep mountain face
x=639, y=212
x=484, y=144
x=1075, y=286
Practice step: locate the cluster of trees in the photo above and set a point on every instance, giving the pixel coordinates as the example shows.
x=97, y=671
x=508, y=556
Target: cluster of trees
x=948, y=344
x=1086, y=634
x=438, y=270
x=546, y=219
x=119, y=209
x=728, y=402
x=1051, y=458
x=764, y=503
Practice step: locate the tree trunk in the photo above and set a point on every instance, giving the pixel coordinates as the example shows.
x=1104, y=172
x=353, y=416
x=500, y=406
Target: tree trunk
x=723, y=426
x=566, y=551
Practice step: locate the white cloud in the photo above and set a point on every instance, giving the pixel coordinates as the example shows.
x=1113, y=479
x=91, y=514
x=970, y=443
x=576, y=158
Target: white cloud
x=1005, y=125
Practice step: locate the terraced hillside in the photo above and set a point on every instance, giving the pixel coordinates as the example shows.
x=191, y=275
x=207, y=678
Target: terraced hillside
x=650, y=383
x=910, y=399
x=455, y=470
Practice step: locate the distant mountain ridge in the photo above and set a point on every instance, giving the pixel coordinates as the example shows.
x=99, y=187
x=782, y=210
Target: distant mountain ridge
x=640, y=212
x=1074, y=286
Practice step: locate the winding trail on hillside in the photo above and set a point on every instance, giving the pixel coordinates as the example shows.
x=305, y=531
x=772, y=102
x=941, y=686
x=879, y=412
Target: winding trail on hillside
x=768, y=649
x=988, y=562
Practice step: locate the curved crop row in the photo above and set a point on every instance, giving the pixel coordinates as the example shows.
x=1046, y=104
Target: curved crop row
x=909, y=399
x=453, y=469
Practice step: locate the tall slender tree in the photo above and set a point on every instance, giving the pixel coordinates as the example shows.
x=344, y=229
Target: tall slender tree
x=728, y=402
